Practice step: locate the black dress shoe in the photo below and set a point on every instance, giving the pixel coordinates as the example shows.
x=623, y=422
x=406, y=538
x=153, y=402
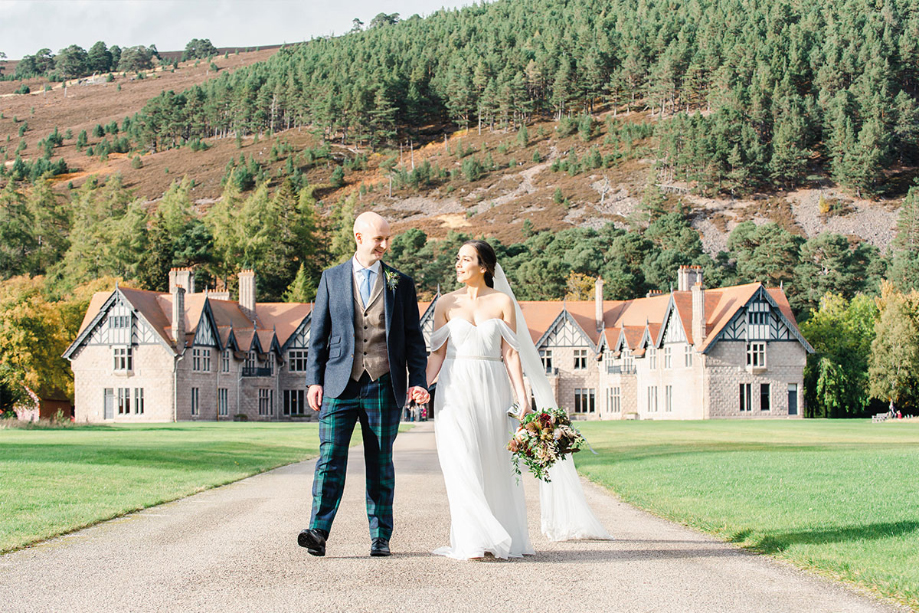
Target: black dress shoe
x=314, y=540
x=379, y=547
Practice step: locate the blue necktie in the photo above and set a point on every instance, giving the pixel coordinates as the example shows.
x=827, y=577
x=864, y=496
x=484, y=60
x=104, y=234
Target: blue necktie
x=365, y=287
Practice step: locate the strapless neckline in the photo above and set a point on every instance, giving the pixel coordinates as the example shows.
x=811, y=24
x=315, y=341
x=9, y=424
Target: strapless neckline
x=476, y=325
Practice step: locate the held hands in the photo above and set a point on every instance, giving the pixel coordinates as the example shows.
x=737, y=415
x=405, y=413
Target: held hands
x=419, y=395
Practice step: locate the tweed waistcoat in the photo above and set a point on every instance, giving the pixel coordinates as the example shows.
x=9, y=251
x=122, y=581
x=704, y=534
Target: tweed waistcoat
x=370, y=350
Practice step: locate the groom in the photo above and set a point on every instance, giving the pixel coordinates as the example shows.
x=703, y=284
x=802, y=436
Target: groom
x=364, y=335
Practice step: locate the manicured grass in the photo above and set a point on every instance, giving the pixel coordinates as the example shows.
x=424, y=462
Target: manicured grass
x=838, y=497
x=55, y=481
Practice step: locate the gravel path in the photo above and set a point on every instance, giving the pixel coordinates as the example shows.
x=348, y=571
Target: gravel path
x=234, y=549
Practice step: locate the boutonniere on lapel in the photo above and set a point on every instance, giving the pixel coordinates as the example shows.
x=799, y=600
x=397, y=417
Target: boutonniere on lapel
x=392, y=279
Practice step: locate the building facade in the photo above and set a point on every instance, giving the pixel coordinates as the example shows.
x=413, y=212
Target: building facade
x=694, y=353
x=154, y=357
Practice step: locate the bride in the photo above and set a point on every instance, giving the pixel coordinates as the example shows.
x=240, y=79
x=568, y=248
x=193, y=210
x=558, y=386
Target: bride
x=481, y=349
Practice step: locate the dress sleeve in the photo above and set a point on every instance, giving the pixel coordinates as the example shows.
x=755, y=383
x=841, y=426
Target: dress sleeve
x=439, y=337
x=508, y=335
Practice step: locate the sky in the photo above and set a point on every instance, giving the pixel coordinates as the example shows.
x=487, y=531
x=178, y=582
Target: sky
x=29, y=25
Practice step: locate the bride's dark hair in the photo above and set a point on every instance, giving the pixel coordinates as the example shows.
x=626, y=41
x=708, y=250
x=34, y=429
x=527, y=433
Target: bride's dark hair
x=487, y=258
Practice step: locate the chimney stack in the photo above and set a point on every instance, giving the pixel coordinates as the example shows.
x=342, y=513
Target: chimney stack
x=699, y=327
x=598, y=301
x=178, y=317
x=247, y=293
x=687, y=277
x=182, y=277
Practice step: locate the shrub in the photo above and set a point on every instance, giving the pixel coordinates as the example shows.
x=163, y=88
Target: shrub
x=472, y=169
x=587, y=127
x=558, y=197
x=137, y=162
x=338, y=177
x=566, y=126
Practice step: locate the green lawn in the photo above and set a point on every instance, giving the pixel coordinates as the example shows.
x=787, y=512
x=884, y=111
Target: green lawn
x=839, y=497
x=55, y=481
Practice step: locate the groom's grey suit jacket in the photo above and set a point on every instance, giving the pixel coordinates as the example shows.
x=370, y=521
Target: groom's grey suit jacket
x=333, y=339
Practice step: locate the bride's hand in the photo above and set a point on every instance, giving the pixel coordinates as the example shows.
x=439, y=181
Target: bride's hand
x=519, y=411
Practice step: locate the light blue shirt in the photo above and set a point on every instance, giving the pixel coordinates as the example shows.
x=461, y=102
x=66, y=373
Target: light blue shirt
x=357, y=272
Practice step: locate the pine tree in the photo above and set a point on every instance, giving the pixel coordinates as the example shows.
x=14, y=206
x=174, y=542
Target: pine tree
x=302, y=289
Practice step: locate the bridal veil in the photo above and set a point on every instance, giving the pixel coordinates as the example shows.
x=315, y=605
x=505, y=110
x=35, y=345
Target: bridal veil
x=563, y=507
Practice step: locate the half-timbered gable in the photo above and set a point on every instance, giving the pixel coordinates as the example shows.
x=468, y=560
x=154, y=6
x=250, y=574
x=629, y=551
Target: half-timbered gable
x=672, y=331
x=565, y=332
x=761, y=318
x=116, y=323
x=206, y=330
x=300, y=339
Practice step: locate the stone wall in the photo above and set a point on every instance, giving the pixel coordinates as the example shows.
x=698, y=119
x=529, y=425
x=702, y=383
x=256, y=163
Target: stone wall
x=93, y=373
x=570, y=379
x=726, y=371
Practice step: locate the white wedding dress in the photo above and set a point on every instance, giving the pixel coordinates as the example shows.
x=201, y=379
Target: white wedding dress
x=472, y=428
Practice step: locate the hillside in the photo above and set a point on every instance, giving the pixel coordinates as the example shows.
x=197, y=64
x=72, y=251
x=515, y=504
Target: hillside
x=496, y=204
x=86, y=103
x=760, y=110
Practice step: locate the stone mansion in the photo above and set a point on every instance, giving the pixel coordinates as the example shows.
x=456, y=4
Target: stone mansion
x=695, y=353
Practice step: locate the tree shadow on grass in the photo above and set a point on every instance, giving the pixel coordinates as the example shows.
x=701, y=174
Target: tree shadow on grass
x=779, y=542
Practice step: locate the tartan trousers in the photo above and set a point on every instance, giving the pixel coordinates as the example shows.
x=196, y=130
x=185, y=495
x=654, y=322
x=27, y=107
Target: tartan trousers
x=372, y=403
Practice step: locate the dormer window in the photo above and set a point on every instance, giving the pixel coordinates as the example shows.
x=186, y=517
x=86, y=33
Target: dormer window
x=628, y=362
x=652, y=358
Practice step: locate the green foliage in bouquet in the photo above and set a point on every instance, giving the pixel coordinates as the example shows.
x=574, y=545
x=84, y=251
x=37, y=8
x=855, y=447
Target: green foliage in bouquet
x=543, y=438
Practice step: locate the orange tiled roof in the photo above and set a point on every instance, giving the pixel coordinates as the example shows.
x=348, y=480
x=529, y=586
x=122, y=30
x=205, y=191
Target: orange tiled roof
x=633, y=335
x=281, y=319
x=682, y=302
x=540, y=315
x=95, y=304
x=722, y=304
x=285, y=317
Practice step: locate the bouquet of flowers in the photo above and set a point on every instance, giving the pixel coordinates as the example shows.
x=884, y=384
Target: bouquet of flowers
x=543, y=438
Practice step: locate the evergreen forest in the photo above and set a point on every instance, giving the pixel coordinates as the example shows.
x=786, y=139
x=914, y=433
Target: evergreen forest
x=760, y=92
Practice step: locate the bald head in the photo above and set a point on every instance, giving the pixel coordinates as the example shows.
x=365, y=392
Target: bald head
x=370, y=222
x=372, y=235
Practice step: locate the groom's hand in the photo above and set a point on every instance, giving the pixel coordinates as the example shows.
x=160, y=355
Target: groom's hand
x=419, y=395
x=314, y=397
